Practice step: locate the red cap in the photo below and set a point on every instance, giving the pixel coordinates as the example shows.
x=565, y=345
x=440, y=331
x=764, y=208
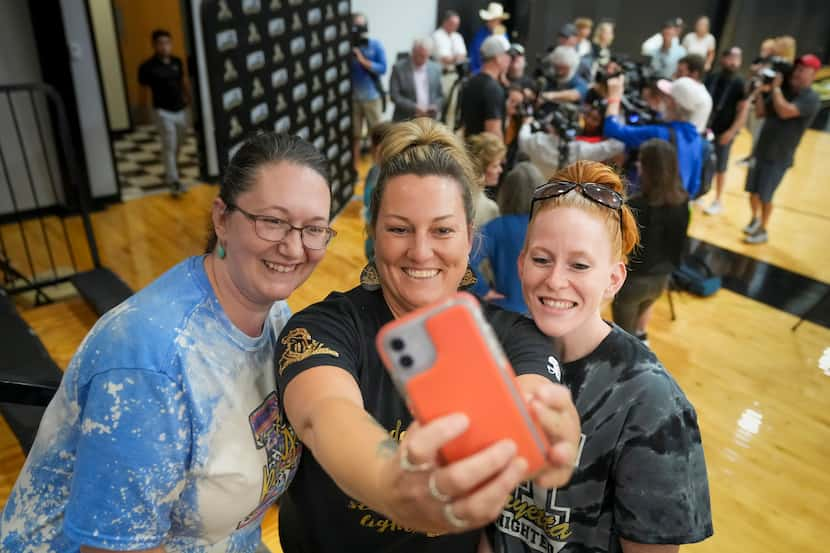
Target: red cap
x=809, y=60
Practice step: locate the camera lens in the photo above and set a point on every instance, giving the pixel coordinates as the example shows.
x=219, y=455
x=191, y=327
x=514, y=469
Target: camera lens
x=406, y=361
x=397, y=344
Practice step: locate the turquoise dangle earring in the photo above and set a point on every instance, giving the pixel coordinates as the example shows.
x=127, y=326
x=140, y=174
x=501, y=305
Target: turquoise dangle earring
x=220, y=251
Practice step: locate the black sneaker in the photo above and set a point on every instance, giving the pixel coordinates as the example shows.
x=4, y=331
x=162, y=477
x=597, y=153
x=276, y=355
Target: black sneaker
x=752, y=227
x=757, y=237
x=176, y=189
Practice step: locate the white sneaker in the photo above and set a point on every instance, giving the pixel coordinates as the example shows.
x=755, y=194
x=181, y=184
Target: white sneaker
x=752, y=227
x=714, y=208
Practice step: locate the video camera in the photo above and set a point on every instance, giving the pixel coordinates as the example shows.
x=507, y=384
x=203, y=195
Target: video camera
x=360, y=36
x=771, y=67
x=637, y=76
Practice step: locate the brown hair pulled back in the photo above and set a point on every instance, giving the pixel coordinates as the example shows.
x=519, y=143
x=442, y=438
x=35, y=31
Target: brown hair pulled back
x=424, y=147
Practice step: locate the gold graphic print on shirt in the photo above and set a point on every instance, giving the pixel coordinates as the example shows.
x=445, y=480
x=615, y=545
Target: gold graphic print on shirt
x=300, y=345
x=272, y=433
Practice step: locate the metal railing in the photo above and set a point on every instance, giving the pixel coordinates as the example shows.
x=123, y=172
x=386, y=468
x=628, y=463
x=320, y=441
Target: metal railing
x=28, y=225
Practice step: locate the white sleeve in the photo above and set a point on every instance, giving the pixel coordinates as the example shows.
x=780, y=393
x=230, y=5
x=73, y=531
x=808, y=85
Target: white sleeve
x=440, y=46
x=651, y=44
x=599, y=151
x=459, y=48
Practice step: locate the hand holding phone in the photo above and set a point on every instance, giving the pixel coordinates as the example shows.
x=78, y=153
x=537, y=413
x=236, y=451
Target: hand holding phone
x=446, y=359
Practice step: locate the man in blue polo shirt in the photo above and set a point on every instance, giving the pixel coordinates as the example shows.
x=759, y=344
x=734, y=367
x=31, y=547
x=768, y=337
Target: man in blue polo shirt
x=682, y=98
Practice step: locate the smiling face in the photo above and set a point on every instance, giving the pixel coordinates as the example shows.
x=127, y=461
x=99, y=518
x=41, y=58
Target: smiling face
x=568, y=270
x=261, y=271
x=422, y=241
x=493, y=172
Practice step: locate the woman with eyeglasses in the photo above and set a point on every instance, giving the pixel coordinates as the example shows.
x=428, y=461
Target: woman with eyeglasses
x=640, y=483
x=370, y=479
x=167, y=433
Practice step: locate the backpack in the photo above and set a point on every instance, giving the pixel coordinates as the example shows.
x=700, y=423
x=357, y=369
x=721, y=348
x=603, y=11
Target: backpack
x=708, y=165
x=695, y=276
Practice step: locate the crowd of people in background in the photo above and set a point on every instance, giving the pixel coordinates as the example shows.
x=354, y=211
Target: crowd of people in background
x=588, y=101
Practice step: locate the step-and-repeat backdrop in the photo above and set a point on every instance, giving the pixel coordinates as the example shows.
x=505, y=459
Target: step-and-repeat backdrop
x=280, y=65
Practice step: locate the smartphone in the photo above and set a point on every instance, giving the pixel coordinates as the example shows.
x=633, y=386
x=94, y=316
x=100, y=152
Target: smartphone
x=444, y=359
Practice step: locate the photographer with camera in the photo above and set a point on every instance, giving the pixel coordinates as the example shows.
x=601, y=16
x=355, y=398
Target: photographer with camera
x=554, y=146
x=368, y=65
x=680, y=99
x=560, y=70
x=788, y=106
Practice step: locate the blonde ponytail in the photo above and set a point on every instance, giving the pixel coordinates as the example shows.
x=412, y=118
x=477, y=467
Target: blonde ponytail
x=424, y=147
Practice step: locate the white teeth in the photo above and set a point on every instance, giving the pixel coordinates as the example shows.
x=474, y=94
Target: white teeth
x=279, y=268
x=424, y=273
x=558, y=304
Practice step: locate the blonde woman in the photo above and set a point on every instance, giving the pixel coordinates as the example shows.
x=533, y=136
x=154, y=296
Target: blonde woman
x=487, y=152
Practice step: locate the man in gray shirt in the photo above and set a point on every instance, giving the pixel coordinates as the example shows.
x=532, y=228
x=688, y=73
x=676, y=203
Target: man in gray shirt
x=787, y=112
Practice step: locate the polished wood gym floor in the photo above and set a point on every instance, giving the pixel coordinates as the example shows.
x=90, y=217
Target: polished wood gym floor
x=762, y=392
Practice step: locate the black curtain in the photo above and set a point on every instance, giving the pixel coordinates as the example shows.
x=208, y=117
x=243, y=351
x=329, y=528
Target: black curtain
x=808, y=21
x=744, y=23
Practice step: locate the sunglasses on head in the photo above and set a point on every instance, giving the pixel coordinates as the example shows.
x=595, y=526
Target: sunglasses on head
x=597, y=193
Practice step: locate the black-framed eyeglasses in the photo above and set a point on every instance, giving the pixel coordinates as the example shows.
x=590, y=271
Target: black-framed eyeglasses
x=272, y=229
x=597, y=193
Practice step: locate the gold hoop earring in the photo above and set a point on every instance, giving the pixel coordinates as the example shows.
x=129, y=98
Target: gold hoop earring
x=469, y=278
x=369, y=278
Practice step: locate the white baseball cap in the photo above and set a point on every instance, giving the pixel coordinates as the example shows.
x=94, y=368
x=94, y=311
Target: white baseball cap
x=686, y=92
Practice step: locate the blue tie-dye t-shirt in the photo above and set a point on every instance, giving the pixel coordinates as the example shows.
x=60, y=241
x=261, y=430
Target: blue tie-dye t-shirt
x=166, y=430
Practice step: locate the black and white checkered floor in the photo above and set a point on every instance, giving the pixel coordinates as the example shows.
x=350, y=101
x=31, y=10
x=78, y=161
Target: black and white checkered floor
x=140, y=169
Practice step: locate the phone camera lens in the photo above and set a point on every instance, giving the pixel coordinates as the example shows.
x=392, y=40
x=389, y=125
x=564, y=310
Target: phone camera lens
x=397, y=344
x=406, y=361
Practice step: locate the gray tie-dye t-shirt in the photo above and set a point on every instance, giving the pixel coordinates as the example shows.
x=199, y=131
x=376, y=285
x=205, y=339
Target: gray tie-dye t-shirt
x=641, y=474
x=166, y=430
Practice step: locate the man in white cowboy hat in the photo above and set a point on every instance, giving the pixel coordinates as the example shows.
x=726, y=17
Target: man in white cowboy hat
x=494, y=17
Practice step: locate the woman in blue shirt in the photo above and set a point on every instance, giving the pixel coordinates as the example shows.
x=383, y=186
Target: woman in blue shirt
x=167, y=432
x=501, y=240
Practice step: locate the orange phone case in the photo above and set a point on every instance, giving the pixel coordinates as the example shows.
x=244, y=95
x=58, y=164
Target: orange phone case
x=469, y=374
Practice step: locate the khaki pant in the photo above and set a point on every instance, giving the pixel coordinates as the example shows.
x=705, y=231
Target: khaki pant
x=172, y=126
x=370, y=111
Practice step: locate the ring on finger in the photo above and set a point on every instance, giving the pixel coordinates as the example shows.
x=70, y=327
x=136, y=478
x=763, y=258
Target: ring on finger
x=437, y=494
x=451, y=517
x=409, y=466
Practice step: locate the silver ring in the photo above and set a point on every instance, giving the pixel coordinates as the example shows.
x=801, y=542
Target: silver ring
x=408, y=466
x=437, y=494
x=449, y=514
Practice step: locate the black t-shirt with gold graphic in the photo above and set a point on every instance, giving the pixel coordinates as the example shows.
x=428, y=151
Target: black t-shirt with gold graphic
x=640, y=473
x=315, y=516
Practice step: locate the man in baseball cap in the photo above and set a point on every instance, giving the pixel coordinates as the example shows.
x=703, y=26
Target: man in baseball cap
x=690, y=95
x=483, y=100
x=788, y=107
x=681, y=98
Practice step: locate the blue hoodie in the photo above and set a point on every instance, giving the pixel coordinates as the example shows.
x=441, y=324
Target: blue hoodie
x=689, y=146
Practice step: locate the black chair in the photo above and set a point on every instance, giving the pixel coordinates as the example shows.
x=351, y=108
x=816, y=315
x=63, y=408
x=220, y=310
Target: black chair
x=28, y=375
